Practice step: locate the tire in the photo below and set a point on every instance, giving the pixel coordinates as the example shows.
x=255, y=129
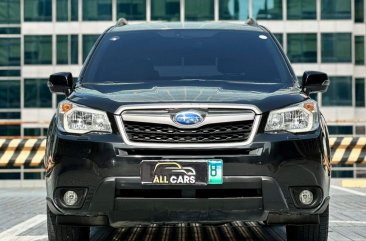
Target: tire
x=310, y=232
x=65, y=233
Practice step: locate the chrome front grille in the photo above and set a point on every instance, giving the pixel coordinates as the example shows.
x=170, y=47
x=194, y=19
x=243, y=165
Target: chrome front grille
x=212, y=133
x=154, y=126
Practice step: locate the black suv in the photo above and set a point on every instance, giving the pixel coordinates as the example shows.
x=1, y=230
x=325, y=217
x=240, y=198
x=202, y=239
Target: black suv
x=194, y=122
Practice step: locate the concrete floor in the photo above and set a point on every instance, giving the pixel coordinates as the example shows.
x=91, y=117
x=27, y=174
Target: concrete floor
x=22, y=217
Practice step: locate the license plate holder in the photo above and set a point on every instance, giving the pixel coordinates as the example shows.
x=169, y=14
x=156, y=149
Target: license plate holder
x=181, y=172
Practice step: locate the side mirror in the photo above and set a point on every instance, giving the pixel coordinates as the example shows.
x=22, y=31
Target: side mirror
x=60, y=83
x=314, y=81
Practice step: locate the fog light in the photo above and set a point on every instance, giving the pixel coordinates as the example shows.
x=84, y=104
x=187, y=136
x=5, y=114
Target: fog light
x=70, y=198
x=306, y=197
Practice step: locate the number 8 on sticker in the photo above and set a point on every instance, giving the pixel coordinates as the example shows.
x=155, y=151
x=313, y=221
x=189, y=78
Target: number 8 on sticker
x=213, y=170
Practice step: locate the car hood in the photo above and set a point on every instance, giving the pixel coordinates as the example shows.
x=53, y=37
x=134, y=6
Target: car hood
x=110, y=97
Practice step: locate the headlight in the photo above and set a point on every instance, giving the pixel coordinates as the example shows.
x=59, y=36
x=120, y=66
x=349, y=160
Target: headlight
x=78, y=119
x=302, y=117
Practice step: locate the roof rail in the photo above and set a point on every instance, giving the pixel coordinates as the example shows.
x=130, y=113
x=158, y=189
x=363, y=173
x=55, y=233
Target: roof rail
x=251, y=22
x=121, y=22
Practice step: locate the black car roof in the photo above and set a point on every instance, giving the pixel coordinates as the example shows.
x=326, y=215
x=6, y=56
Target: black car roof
x=187, y=25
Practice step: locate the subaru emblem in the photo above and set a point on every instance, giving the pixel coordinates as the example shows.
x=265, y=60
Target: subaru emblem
x=188, y=118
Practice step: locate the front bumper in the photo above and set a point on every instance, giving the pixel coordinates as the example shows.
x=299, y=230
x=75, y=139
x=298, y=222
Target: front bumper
x=258, y=180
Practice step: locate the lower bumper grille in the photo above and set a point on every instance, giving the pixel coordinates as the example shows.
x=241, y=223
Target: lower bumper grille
x=188, y=193
x=213, y=133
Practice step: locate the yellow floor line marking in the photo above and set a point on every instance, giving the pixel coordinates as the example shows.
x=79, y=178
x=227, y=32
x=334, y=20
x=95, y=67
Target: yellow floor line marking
x=354, y=183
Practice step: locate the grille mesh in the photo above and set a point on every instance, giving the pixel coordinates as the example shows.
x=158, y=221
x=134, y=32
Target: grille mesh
x=213, y=133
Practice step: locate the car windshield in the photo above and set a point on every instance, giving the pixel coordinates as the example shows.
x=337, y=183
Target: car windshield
x=186, y=55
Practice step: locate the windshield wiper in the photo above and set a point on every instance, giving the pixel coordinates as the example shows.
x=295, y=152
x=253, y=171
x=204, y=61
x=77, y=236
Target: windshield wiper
x=188, y=80
x=113, y=83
